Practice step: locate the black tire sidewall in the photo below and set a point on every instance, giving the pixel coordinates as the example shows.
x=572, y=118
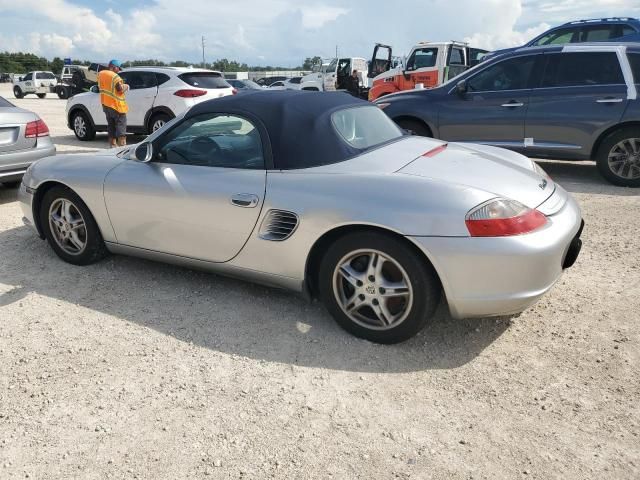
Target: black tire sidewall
x=95, y=249
x=41, y=95
x=424, y=282
x=17, y=92
x=602, y=156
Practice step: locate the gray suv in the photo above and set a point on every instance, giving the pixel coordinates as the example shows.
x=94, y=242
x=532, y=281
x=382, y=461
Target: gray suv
x=575, y=102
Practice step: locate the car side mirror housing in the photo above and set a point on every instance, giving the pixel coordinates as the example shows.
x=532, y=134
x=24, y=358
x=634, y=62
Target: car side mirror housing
x=461, y=88
x=144, y=152
x=94, y=89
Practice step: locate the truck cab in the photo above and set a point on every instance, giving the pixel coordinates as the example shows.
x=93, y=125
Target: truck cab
x=428, y=65
x=342, y=68
x=315, y=80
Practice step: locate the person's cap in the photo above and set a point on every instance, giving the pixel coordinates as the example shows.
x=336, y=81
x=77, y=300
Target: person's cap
x=115, y=63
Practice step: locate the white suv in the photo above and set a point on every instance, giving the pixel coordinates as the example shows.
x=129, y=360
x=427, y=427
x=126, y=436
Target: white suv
x=155, y=96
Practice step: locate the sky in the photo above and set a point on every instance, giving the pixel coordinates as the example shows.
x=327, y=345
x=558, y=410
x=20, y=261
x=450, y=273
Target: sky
x=277, y=32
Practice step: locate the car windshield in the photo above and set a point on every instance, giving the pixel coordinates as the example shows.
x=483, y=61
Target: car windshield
x=365, y=127
x=4, y=103
x=204, y=80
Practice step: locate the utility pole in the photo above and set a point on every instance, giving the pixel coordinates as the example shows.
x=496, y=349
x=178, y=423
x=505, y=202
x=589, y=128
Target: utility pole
x=203, y=64
x=336, y=51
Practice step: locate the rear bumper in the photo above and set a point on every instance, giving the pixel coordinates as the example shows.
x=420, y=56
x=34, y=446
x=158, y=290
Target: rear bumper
x=504, y=275
x=14, y=164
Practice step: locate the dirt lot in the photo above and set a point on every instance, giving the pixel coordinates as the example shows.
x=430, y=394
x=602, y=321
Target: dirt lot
x=131, y=369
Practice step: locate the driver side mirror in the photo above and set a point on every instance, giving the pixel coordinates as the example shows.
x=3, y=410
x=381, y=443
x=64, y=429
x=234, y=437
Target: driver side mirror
x=144, y=152
x=461, y=88
x=94, y=89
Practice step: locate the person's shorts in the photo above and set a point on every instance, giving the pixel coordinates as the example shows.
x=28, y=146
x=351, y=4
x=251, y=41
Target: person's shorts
x=116, y=123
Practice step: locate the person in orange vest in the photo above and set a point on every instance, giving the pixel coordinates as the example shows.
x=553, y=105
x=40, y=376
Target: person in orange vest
x=112, y=90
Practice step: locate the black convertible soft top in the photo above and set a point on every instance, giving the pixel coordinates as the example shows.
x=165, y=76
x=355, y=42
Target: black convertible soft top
x=297, y=123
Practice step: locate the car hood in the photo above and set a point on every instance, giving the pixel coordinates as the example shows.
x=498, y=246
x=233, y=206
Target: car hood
x=493, y=170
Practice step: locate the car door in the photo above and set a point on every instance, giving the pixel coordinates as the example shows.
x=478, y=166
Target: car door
x=143, y=89
x=201, y=194
x=581, y=93
x=456, y=63
x=28, y=83
x=493, y=109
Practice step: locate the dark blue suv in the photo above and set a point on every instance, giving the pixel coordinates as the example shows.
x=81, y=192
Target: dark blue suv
x=575, y=102
x=617, y=29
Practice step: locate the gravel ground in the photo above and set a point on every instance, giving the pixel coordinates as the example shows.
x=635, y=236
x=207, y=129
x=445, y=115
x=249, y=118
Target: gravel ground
x=133, y=369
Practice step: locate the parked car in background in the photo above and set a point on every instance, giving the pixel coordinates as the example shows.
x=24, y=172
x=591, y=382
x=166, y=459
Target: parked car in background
x=244, y=84
x=576, y=102
x=267, y=81
x=24, y=138
x=616, y=29
x=292, y=83
x=5, y=78
x=344, y=207
x=38, y=83
x=155, y=96
x=428, y=64
x=279, y=85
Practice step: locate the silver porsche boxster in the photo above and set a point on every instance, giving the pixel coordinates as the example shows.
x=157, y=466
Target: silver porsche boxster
x=323, y=194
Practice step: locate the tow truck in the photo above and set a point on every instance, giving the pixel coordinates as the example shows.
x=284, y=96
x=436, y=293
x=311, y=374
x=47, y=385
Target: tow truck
x=331, y=74
x=428, y=65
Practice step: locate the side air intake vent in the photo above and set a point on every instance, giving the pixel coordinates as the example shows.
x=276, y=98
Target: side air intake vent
x=278, y=225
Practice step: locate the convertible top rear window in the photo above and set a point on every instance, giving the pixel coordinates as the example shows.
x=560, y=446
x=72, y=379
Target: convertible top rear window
x=365, y=127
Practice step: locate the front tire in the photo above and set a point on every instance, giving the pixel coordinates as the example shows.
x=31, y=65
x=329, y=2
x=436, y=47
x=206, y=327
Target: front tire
x=70, y=228
x=377, y=287
x=414, y=126
x=618, y=157
x=17, y=92
x=82, y=127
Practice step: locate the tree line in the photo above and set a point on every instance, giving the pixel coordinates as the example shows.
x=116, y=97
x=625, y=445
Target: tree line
x=26, y=62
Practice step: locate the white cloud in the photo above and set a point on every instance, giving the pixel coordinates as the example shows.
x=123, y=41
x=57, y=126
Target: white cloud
x=315, y=16
x=278, y=31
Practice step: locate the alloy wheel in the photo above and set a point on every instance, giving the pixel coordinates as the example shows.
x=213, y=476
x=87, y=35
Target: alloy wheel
x=67, y=226
x=624, y=158
x=372, y=289
x=157, y=125
x=80, y=126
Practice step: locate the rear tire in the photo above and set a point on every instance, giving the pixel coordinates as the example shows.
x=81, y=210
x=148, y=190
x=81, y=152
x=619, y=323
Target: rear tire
x=377, y=287
x=415, y=126
x=17, y=92
x=82, y=127
x=41, y=95
x=62, y=93
x=158, y=121
x=70, y=228
x=618, y=157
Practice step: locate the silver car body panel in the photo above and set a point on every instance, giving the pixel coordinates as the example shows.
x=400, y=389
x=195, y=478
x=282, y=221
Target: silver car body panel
x=395, y=188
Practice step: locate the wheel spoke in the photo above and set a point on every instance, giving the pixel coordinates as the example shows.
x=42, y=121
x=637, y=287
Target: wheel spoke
x=355, y=303
x=394, y=289
x=75, y=240
x=66, y=210
x=373, y=263
x=382, y=312
x=350, y=275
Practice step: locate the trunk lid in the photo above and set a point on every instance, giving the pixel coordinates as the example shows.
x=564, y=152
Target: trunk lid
x=501, y=175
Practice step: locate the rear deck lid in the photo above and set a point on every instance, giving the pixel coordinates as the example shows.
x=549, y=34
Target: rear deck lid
x=13, y=121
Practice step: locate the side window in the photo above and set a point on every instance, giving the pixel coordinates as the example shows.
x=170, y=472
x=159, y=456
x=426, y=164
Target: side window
x=138, y=80
x=634, y=60
x=457, y=57
x=557, y=37
x=599, y=33
x=162, y=78
x=213, y=140
x=582, y=69
x=28, y=77
x=422, y=58
x=511, y=74
x=627, y=30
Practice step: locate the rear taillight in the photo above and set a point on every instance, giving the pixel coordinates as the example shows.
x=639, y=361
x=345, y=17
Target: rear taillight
x=502, y=218
x=36, y=129
x=234, y=91
x=190, y=93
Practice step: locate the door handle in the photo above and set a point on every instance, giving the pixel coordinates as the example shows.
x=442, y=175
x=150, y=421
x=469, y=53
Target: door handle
x=512, y=104
x=609, y=100
x=244, y=200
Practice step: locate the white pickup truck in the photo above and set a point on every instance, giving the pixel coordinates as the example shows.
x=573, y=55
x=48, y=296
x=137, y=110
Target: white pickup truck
x=331, y=73
x=38, y=82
